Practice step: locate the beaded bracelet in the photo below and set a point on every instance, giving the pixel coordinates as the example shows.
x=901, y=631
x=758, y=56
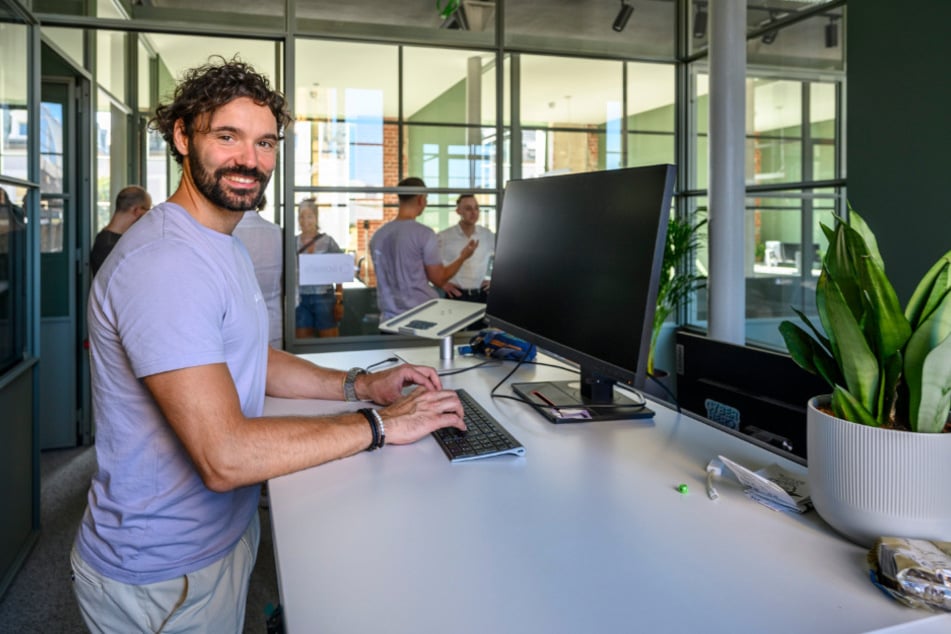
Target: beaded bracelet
x=382, y=428
x=374, y=427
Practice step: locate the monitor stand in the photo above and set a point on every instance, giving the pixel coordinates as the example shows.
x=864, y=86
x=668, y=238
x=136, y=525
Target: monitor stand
x=576, y=402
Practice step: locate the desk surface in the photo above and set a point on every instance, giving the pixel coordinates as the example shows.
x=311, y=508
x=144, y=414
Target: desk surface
x=585, y=533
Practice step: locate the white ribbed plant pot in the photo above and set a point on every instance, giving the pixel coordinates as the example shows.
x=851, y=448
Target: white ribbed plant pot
x=868, y=482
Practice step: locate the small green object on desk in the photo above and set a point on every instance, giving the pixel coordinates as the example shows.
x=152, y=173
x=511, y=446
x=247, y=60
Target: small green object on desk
x=683, y=488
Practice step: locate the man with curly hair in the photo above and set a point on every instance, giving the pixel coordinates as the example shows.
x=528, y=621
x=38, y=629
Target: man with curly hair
x=180, y=364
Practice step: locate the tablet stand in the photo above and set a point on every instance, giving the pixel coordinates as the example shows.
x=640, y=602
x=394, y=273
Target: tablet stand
x=436, y=319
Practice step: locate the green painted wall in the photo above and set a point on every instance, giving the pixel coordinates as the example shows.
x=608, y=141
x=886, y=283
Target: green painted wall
x=449, y=107
x=898, y=130
x=429, y=150
x=786, y=157
x=166, y=82
x=651, y=149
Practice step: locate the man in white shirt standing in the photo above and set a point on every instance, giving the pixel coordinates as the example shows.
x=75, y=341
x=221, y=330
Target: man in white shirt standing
x=471, y=281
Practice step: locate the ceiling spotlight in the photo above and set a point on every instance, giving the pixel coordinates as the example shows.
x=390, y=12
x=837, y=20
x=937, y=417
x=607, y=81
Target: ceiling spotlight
x=700, y=21
x=832, y=34
x=622, y=17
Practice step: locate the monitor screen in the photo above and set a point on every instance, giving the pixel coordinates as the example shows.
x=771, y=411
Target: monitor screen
x=577, y=263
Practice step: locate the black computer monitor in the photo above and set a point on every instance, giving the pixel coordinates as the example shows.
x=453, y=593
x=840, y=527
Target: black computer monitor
x=577, y=263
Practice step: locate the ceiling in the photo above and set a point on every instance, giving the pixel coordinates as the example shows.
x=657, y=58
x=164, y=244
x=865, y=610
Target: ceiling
x=553, y=89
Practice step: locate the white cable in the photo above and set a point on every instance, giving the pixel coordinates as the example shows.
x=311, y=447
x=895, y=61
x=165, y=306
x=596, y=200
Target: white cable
x=714, y=470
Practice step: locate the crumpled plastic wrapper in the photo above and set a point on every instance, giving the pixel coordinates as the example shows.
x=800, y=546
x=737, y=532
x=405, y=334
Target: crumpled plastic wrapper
x=916, y=572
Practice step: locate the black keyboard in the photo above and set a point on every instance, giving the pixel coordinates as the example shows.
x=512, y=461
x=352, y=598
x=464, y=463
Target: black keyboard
x=484, y=437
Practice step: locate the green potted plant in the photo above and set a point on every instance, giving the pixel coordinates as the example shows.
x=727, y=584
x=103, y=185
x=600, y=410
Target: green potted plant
x=677, y=278
x=878, y=462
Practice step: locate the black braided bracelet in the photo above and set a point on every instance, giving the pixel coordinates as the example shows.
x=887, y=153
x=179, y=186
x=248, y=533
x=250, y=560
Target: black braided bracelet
x=368, y=414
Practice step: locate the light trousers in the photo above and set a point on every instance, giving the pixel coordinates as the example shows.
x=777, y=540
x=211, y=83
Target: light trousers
x=208, y=600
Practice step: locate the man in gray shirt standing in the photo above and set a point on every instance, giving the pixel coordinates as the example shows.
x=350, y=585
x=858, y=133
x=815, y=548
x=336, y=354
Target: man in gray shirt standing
x=406, y=257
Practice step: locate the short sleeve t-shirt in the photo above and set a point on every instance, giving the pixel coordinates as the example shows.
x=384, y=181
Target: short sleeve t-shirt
x=265, y=244
x=101, y=247
x=173, y=294
x=401, y=249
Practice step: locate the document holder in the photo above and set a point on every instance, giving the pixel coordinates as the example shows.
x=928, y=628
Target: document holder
x=435, y=319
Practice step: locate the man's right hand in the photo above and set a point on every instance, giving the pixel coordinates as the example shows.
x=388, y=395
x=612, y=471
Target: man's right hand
x=421, y=412
x=469, y=249
x=387, y=387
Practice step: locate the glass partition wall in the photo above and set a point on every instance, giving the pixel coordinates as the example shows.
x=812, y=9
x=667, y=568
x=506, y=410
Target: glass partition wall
x=15, y=188
x=470, y=94
x=19, y=245
x=465, y=118
x=794, y=167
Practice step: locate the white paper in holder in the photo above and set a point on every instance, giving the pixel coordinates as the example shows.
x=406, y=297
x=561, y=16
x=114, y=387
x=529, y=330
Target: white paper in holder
x=325, y=268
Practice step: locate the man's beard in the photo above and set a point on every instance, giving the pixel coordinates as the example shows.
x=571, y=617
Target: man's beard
x=210, y=186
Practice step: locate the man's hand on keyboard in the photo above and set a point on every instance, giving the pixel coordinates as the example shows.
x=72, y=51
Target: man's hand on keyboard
x=421, y=412
x=387, y=386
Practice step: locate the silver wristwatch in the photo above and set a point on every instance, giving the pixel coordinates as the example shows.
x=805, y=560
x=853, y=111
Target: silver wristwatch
x=349, y=390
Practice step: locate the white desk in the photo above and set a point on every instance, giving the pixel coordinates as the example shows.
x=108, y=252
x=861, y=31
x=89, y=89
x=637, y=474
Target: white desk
x=586, y=533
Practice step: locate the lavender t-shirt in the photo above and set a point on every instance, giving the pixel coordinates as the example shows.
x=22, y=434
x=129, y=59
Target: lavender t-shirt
x=173, y=294
x=401, y=249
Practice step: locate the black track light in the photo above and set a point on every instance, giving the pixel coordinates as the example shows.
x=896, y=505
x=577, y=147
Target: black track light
x=832, y=34
x=770, y=36
x=622, y=17
x=700, y=21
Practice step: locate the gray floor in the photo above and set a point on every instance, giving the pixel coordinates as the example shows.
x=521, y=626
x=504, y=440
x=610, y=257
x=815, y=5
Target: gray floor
x=41, y=599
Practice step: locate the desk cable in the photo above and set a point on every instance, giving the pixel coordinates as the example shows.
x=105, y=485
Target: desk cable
x=714, y=471
x=386, y=361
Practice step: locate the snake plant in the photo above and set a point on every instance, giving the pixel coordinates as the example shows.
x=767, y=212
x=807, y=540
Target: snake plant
x=886, y=366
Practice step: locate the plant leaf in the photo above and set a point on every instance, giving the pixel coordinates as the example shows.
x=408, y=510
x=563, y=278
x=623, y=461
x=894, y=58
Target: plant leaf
x=822, y=283
x=932, y=415
x=828, y=368
x=677, y=280
x=891, y=375
x=816, y=333
x=930, y=291
x=801, y=347
x=660, y=316
x=858, y=363
x=848, y=407
x=928, y=370
x=887, y=327
x=846, y=250
x=857, y=223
